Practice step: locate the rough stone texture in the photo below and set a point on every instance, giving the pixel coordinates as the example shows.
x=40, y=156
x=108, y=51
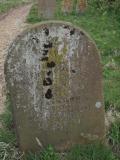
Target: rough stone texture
x=47, y=8
x=54, y=77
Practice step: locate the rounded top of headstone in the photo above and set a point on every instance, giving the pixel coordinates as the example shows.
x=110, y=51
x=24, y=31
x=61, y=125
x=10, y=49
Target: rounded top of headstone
x=66, y=25
x=52, y=24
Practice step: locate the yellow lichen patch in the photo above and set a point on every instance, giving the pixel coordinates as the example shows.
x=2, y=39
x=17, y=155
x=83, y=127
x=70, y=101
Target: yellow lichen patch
x=61, y=90
x=43, y=72
x=55, y=56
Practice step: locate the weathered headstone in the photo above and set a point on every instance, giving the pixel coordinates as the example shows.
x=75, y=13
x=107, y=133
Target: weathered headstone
x=78, y=6
x=54, y=77
x=67, y=6
x=46, y=8
x=81, y=6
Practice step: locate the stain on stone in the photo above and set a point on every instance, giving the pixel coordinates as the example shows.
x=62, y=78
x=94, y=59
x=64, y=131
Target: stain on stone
x=82, y=33
x=66, y=27
x=110, y=141
x=47, y=82
x=45, y=52
x=49, y=45
x=73, y=71
x=72, y=32
x=49, y=73
x=46, y=31
x=49, y=94
x=36, y=39
x=51, y=64
x=34, y=49
x=44, y=59
x=24, y=61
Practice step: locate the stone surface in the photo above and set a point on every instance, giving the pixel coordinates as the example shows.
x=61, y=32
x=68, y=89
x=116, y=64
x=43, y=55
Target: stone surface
x=54, y=77
x=47, y=8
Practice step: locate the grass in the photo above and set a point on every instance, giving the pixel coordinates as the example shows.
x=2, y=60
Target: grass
x=46, y=154
x=6, y=5
x=7, y=133
x=114, y=137
x=87, y=152
x=8, y=150
x=33, y=17
x=91, y=152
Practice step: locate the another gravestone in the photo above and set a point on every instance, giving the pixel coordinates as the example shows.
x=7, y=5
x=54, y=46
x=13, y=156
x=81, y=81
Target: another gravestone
x=78, y=6
x=46, y=8
x=81, y=6
x=67, y=6
x=54, y=77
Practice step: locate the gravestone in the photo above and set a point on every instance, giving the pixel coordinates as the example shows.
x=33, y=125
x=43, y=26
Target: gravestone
x=78, y=6
x=81, y=6
x=46, y=8
x=54, y=78
x=67, y=6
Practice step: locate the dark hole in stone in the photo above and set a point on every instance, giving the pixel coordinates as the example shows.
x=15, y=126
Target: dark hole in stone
x=73, y=71
x=49, y=45
x=72, y=31
x=49, y=94
x=46, y=31
x=36, y=39
x=66, y=26
x=51, y=64
x=47, y=82
x=44, y=59
x=45, y=52
x=49, y=73
x=110, y=141
x=81, y=33
x=34, y=49
x=16, y=145
x=24, y=61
